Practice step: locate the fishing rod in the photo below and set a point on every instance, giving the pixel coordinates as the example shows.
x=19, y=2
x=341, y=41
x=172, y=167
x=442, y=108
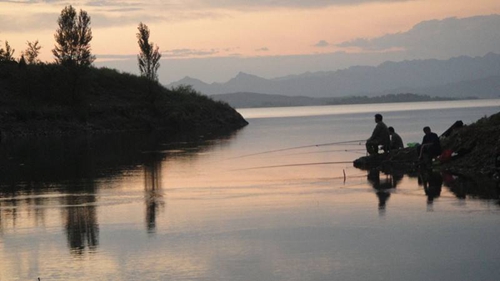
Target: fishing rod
x=298, y=147
x=293, y=165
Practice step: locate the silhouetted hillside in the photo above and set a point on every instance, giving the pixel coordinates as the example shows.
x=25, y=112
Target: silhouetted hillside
x=417, y=76
x=48, y=99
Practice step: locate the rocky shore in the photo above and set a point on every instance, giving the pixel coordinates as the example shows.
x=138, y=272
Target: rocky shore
x=477, y=147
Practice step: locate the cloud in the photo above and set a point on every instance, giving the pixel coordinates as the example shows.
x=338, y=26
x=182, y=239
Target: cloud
x=115, y=57
x=33, y=22
x=31, y=1
x=229, y=4
x=263, y=49
x=125, y=10
x=116, y=6
x=109, y=13
x=183, y=53
x=104, y=13
x=243, y=4
x=99, y=19
x=104, y=3
x=48, y=21
x=99, y=12
x=135, y=15
x=104, y=20
x=175, y=54
x=322, y=43
x=436, y=38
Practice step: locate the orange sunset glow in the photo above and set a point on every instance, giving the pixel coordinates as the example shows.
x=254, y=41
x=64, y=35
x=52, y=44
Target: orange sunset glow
x=187, y=30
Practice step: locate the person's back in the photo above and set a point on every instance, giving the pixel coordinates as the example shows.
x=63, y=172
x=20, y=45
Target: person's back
x=431, y=145
x=396, y=140
x=435, y=144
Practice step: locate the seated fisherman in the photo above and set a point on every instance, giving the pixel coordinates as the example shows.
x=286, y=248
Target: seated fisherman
x=380, y=136
x=431, y=146
x=396, y=140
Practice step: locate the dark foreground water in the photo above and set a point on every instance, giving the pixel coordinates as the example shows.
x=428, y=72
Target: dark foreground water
x=156, y=207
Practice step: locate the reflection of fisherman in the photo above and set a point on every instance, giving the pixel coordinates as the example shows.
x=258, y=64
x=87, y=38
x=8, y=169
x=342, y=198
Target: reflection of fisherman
x=382, y=188
x=396, y=140
x=432, y=183
x=431, y=146
x=380, y=136
x=396, y=176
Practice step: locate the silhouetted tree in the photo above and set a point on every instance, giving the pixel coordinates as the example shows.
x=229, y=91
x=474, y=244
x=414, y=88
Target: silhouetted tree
x=149, y=57
x=72, y=47
x=7, y=54
x=73, y=38
x=31, y=53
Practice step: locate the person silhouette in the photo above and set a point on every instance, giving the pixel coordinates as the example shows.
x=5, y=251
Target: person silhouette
x=380, y=136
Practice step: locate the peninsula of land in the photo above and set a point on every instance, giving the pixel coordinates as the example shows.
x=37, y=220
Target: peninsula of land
x=50, y=99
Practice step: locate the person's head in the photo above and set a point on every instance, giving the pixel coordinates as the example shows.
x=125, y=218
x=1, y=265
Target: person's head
x=427, y=130
x=391, y=130
x=378, y=118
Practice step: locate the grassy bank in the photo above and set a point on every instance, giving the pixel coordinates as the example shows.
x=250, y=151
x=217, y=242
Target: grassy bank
x=52, y=99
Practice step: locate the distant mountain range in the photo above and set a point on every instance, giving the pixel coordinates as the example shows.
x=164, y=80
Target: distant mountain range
x=458, y=77
x=245, y=100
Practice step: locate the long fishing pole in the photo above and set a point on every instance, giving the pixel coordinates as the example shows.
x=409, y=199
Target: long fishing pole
x=293, y=165
x=296, y=147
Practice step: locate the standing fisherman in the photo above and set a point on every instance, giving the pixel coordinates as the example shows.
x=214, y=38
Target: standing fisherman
x=380, y=136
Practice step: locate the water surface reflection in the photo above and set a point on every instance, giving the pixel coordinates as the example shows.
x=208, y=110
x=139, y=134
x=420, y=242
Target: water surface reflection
x=153, y=194
x=80, y=220
x=385, y=181
x=66, y=175
x=156, y=207
x=432, y=182
x=383, y=187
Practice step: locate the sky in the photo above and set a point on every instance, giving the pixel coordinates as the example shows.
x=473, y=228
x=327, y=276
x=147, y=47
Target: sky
x=213, y=40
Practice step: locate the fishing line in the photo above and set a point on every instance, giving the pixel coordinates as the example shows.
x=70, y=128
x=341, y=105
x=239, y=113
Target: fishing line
x=293, y=165
x=333, y=150
x=297, y=147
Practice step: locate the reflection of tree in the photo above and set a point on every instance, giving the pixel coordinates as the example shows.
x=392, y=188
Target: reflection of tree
x=82, y=228
x=8, y=213
x=32, y=169
x=152, y=189
x=30, y=203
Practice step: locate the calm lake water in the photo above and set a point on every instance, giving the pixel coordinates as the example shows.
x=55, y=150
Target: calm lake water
x=242, y=206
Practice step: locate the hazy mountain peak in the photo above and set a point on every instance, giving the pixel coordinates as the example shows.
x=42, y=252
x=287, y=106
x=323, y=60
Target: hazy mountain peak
x=189, y=79
x=244, y=76
x=195, y=83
